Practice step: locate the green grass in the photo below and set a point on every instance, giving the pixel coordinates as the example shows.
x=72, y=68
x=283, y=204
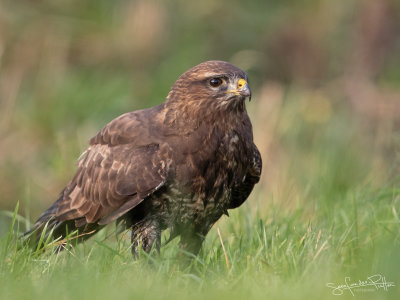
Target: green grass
x=326, y=122
x=270, y=253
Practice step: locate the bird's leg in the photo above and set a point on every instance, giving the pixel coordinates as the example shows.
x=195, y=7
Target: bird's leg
x=191, y=241
x=144, y=234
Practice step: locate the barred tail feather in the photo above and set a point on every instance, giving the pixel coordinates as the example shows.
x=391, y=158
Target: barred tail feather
x=50, y=226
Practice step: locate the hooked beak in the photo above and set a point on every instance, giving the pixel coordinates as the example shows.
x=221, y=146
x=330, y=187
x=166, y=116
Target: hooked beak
x=242, y=89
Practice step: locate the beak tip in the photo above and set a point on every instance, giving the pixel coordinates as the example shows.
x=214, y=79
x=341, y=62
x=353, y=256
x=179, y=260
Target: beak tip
x=245, y=91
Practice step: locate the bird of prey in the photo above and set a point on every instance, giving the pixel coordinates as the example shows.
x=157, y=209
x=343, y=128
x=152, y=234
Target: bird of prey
x=179, y=165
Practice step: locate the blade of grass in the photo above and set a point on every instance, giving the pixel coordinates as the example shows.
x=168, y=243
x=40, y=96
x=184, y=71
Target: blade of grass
x=223, y=249
x=11, y=230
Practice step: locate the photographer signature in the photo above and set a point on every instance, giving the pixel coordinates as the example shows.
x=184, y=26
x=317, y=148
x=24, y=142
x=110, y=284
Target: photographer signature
x=372, y=283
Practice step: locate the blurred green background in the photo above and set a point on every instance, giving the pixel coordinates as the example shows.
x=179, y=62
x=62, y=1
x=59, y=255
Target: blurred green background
x=325, y=77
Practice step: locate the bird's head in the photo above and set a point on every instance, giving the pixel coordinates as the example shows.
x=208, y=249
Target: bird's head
x=216, y=82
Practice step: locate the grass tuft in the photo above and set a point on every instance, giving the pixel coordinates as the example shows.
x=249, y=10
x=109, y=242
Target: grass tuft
x=246, y=255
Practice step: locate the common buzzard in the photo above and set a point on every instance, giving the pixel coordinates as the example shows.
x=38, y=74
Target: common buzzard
x=179, y=165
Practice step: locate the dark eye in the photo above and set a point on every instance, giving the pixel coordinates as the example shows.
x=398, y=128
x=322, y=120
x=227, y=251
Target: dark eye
x=215, y=82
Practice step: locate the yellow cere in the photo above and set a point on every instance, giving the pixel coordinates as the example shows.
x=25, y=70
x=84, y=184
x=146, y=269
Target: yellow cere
x=241, y=83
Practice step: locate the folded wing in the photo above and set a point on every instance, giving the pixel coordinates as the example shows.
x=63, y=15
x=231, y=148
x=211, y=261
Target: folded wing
x=117, y=172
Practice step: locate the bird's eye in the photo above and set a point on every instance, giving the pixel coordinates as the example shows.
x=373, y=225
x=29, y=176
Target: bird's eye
x=215, y=82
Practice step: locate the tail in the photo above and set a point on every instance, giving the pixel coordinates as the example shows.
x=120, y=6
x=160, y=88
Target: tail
x=50, y=228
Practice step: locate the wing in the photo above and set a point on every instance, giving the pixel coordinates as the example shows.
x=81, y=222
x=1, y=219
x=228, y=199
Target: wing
x=124, y=164
x=242, y=191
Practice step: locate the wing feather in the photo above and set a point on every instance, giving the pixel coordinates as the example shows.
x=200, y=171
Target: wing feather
x=123, y=165
x=102, y=193
x=243, y=190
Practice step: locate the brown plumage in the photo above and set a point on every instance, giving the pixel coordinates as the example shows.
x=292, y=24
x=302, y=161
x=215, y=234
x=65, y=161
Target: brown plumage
x=179, y=165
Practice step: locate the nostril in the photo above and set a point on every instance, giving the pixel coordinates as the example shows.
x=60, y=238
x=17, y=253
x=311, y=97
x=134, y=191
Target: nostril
x=241, y=83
